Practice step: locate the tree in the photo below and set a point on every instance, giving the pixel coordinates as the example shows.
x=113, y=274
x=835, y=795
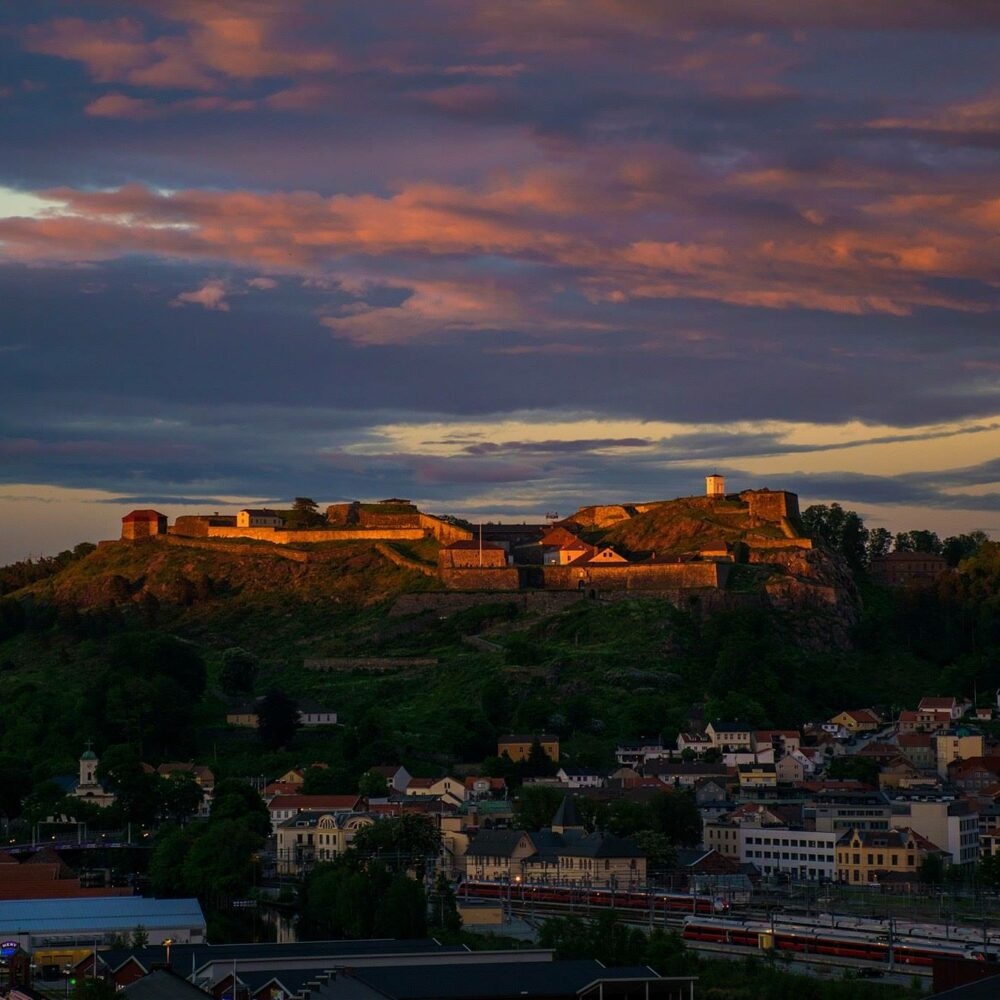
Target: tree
x=277, y=719
x=304, y=514
x=958, y=547
x=676, y=816
x=932, y=870
x=137, y=793
x=234, y=800
x=841, y=530
x=879, y=543
x=918, y=541
x=181, y=796
x=140, y=937
x=238, y=671
x=220, y=863
x=400, y=843
x=323, y=781
x=444, y=907
x=536, y=805
x=372, y=785
x=859, y=768
x=660, y=853
x=166, y=862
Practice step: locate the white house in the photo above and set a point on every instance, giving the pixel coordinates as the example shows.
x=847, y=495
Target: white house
x=248, y=518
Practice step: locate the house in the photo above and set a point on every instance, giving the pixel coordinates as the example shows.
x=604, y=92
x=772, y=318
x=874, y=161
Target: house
x=449, y=789
x=581, y=777
x=697, y=742
x=311, y=714
x=957, y=744
x=790, y=770
x=908, y=721
x=242, y=713
x=518, y=746
x=396, y=776
x=684, y=775
x=867, y=856
x=984, y=713
x=779, y=740
x=248, y=518
x=900, y=773
x=858, y=720
x=563, y=853
x=919, y=748
x=907, y=569
x=974, y=774
x=634, y=752
x=484, y=787
x=950, y=823
x=139, y=524
x=602, y=556
x=732, y=735
x=283, y=807
x=950, y=709
x=310, y=836
x=561, y=547
x=757, y=775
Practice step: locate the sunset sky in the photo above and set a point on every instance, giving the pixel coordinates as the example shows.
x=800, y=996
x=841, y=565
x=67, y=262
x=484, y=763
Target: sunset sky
x=501, y=258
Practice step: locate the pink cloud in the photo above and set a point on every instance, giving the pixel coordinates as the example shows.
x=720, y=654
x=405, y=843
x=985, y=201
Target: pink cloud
x=211, y=295
x=116, y=105
x=197, y=46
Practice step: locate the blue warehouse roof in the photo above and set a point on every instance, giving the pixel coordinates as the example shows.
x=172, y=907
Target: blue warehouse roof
x=99, y=913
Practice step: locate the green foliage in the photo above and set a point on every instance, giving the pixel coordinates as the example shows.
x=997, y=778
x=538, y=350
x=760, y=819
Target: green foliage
x=536, y=805
x=400, y=843
x=860, y=768
x=345, y=899
x=238, y=671
x=277, y=719
x=372, y=785
x=323, y=781
x=138, y=797
x=235, y=800
x=140, y=937
x=918, y=541
x=444, y=906
x=932, y=870
x=841, y=530
x=28, y=571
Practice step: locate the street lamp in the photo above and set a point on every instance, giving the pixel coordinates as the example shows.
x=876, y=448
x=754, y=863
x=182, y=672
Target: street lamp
x=167, y=942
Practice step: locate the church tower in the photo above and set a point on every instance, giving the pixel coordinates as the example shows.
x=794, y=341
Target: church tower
x=88, y=768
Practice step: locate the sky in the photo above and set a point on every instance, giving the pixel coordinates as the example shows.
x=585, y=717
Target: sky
x=498, y=258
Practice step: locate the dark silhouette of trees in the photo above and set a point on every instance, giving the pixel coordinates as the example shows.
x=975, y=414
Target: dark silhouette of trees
x=277, y=719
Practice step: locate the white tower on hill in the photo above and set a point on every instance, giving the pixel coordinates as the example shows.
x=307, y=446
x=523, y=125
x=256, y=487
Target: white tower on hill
x=715, y=486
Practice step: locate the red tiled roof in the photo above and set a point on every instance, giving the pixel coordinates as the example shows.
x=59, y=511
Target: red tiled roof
x=914, y=740
x=143, y=515
x=314, y=802
x=936, y=704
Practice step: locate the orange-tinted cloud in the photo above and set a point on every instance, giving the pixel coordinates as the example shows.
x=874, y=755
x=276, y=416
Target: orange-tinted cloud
x=197, y=48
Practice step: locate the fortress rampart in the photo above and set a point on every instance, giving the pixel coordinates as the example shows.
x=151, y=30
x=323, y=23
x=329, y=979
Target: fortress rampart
x=278, y=536
x=639, y=576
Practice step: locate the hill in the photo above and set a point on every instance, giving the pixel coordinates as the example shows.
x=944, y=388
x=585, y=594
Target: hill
x=94, y=652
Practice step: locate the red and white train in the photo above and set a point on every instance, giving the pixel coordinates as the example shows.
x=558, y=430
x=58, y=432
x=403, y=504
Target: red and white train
x=640, y=900
x=866, y=943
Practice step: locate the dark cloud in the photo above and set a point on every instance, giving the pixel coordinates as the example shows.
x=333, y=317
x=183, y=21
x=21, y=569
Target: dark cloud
x=272, y=236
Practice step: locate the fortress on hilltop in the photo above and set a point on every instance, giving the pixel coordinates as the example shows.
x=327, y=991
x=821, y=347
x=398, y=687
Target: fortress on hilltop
x=688, y=544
